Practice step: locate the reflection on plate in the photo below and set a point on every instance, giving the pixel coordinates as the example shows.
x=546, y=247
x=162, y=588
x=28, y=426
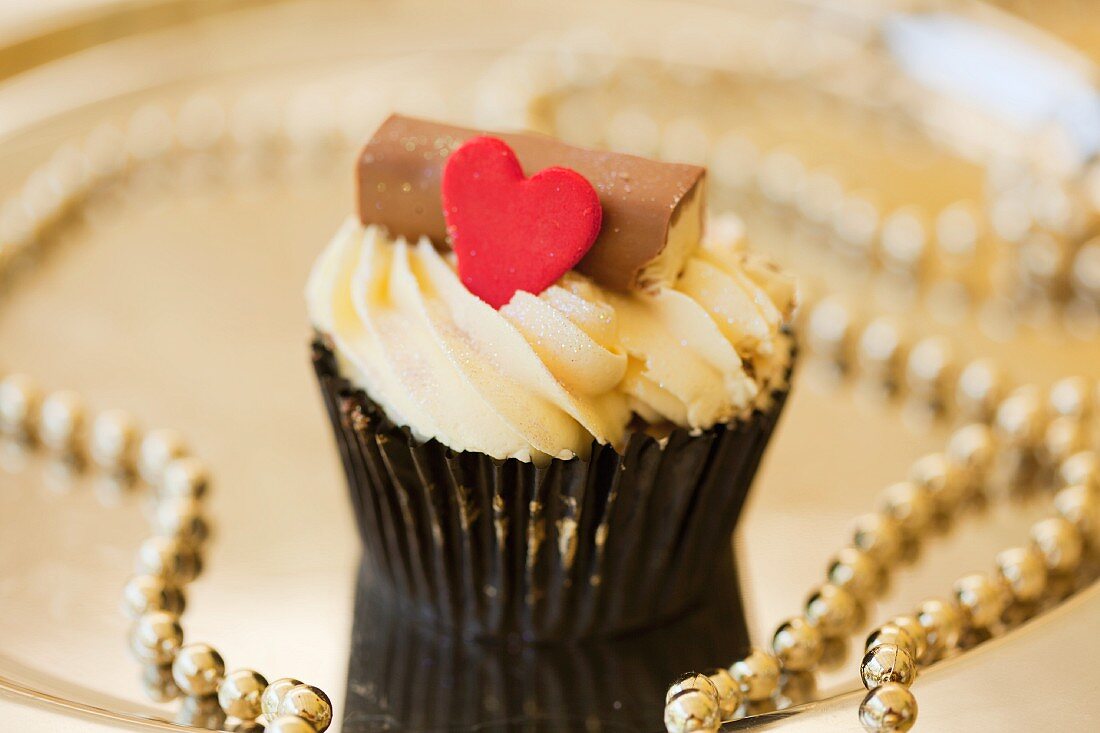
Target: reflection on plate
x=402, y=676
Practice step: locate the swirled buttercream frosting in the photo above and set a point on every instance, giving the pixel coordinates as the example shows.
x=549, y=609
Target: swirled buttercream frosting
x=546, y=374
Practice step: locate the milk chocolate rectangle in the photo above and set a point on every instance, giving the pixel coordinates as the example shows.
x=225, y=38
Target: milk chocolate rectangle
x=652, y=211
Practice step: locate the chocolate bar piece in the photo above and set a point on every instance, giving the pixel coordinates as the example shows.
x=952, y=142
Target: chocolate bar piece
x=652, y=211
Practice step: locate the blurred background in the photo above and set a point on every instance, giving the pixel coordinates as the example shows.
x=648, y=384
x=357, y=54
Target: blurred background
x=928, y=168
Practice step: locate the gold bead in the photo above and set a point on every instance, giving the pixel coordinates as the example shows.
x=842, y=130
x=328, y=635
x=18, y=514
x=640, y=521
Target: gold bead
x=971, y=451
x=890, y=708
x=198, y=670
x=239, y=693
x=798, y=645
x=185, y=477
x=940, y=479
x=168, y=557
x=943, y=624
x=913, y=627
x=758, y=675
x=880, y=537
x=729, y=692
x=1021, y=418
x=890, y=634
x=310, y=704
x=981, y=598
x=1081, y=506
x=156, y=637
x=146, y=593
x=61, y=419
x=114, y=434
x=19, y=399
x=692, y=711
x=273, y=695
x=855, y=571
x=829, y=330
x=691, y=681
x=158, y=448
x=910, y=505
x=289, y=724
x=1072, y=397
x=979, y=387
x=1081, y=468
x=887, y=663
x=929, y=368
x=1059, y=542
x=182, y=518
x=833, y=610
x=1023, y=572
x=1064, y=437
x=879, y=351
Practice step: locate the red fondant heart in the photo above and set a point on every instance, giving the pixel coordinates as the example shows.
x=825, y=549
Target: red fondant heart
x=511, y=232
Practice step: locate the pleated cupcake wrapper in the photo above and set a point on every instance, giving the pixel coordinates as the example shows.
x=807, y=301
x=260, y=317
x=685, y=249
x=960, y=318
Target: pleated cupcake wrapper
x=491, y=549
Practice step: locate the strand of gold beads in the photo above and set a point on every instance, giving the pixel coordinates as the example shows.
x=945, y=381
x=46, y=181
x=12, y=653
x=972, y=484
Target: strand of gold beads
x=154, y=598
x=940, y=485
x=1039, y=221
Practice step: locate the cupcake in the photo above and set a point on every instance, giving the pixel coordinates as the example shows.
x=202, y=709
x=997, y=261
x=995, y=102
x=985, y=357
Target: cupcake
x=549, y=386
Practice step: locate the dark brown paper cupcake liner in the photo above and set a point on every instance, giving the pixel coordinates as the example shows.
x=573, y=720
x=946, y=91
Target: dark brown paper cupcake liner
x=492, y=549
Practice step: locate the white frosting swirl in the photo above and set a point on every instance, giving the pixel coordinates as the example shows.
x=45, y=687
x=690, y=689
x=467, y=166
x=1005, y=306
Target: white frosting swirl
x=545, y=375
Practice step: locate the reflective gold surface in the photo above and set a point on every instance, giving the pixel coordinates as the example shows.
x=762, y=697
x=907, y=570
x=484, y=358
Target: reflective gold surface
x=180, y=300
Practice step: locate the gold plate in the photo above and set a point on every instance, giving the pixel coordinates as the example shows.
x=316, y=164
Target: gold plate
x=180, y=299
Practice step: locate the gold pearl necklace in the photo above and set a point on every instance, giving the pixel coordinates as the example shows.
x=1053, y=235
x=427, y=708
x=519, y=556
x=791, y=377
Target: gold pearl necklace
x=159, y=460
x=939, y=485
x=1028, y=222
x=154, y=598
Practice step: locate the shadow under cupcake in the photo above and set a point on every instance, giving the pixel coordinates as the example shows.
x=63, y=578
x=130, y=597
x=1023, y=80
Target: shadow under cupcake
x=541, y=451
